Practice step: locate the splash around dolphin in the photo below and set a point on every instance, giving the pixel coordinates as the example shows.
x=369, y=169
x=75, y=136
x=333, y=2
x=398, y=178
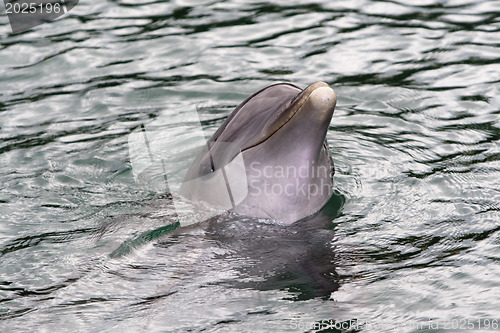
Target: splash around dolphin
x=280, y=134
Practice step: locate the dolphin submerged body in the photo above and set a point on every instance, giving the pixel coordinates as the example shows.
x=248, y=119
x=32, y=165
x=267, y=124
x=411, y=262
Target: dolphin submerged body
x=280, y=133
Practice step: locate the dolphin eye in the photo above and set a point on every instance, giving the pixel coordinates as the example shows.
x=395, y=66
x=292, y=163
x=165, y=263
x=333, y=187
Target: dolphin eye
x=206, y=168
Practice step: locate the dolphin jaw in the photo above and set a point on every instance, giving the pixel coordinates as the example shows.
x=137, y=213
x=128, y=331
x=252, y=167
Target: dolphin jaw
x=319, y=96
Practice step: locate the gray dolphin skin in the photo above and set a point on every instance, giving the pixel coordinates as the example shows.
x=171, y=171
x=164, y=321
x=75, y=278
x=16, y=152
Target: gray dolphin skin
x=281, y=134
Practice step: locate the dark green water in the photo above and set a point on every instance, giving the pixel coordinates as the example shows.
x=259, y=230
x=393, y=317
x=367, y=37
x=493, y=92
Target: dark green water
x=415, y=140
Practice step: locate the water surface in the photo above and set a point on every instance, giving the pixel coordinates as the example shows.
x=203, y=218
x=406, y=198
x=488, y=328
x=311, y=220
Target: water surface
x=411, y=235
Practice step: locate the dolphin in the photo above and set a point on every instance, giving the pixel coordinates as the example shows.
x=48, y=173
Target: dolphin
x=280, y=133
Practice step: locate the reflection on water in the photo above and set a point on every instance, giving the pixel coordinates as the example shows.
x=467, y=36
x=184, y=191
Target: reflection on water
x=414, y=138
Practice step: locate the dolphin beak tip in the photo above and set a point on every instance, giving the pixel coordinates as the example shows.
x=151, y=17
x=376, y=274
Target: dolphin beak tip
x=323, y=98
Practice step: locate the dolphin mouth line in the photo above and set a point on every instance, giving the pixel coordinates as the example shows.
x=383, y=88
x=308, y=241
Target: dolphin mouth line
x=294, y=106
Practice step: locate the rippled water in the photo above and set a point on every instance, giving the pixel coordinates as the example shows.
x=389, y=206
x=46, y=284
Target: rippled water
x=411, y=235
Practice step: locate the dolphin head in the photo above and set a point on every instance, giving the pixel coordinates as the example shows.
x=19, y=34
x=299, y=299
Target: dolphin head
x=280, y=133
